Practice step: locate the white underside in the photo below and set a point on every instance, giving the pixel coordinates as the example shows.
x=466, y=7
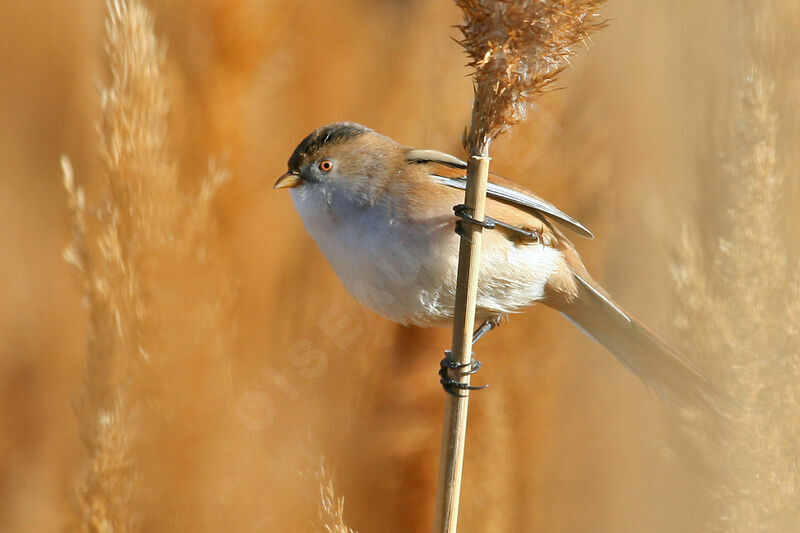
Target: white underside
x=405, y=268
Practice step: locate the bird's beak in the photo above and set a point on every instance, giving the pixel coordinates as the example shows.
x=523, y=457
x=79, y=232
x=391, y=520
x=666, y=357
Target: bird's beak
x=288, y=180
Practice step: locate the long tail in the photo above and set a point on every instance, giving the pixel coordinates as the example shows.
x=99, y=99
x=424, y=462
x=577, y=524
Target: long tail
x=662, y=369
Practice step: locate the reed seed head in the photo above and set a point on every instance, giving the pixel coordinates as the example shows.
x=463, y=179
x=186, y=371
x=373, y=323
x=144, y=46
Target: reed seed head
x=517, y=48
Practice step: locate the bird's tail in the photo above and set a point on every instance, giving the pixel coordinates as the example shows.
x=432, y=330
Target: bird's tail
x=661, y=368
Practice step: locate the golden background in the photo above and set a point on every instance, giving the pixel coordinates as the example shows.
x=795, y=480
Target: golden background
x=563, y=440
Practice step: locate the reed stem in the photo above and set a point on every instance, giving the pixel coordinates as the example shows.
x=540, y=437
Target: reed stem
x=454, y=431
x=517, y=49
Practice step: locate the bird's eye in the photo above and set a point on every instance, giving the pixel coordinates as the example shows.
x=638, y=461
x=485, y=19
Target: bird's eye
x=326, y=165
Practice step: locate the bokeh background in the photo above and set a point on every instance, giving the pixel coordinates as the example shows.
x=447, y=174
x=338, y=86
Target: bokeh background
x=637, y=146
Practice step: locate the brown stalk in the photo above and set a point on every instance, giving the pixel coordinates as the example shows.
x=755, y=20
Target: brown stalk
x=454, y=432
x=517, y=47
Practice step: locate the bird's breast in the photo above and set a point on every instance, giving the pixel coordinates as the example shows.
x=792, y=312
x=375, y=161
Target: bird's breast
x=404, y=267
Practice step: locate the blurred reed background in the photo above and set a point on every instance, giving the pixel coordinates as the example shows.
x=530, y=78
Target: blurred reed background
x=245, y=364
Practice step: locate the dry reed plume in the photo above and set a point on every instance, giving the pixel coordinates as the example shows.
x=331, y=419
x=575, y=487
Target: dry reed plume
x=517, y=48
x=331, y=507
x=129, y=250
x=741, y=297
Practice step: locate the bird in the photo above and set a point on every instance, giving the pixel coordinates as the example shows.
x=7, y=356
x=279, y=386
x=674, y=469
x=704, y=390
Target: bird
x=382, y=214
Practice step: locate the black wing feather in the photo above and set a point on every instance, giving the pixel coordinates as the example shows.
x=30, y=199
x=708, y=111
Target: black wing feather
x=498, y=192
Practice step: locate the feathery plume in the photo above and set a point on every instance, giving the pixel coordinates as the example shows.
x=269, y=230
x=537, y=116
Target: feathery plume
x=517, y=48
x=331, y=507
x=742, y=313
x=140, y=194
x=137, y=252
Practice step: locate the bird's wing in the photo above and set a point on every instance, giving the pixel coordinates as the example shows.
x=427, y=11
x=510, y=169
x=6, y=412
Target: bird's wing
x=450, y=171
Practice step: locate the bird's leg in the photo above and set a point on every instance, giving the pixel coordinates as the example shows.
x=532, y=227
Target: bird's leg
x=465, y=216
x=450, y=385
x=453, y=386
x=485, y=328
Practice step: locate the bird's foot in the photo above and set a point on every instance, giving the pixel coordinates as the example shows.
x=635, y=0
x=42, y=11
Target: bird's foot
x=464, y=214
x=453, y=386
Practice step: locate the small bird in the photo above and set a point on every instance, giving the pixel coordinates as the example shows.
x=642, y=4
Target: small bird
x=382, y=214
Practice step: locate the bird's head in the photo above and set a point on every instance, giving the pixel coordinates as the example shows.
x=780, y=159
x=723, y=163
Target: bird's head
x=344, y=156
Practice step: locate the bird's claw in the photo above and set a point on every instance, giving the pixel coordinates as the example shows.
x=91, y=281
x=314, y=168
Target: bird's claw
x=453, y=386
x=464, y=213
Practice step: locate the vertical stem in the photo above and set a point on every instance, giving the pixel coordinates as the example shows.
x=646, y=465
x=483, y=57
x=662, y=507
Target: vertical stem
x=454, y=432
